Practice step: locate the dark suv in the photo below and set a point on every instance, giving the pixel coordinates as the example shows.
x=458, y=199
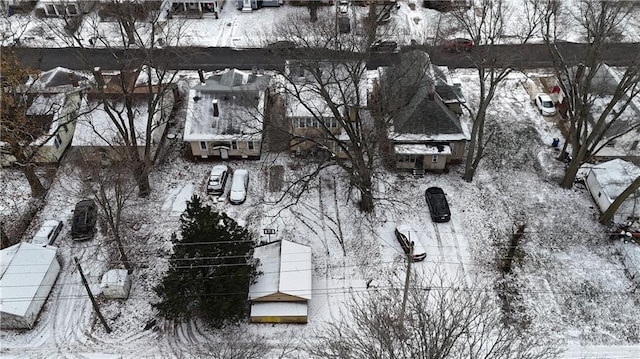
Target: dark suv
x=84, y=220
x=438, y=205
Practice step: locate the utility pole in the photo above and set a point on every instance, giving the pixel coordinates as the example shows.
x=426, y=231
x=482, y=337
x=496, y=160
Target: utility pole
x=406, y=281
x=93, y=300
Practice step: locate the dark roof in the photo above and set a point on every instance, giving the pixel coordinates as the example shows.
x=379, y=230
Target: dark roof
x=425, y=116
x=422, y=114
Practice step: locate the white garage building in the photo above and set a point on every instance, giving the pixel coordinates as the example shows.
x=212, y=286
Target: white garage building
x=607, y=180
x=27, y=274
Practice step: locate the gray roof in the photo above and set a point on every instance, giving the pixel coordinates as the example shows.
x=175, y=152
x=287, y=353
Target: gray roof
x=422, y=114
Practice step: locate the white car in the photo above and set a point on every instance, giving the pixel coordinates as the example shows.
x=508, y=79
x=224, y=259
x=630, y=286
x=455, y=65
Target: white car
x=239, y=186
x=405, y=235
x=48, y=233
x=217, y=179
x=545, y=104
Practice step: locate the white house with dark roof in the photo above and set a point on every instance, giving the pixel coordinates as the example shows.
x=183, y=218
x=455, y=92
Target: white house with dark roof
x=27, y=275
x=225, y=115
x=56, y=96
x=281, y=293
x=426, y=131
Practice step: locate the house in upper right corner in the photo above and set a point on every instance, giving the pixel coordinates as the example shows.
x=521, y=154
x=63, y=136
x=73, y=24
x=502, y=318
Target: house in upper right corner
x=607, y=180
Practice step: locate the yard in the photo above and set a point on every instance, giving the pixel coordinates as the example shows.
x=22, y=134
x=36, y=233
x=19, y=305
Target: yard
x=571, y=283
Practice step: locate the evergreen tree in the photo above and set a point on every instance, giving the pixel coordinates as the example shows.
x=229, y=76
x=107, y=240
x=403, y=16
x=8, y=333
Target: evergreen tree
x=210, y=269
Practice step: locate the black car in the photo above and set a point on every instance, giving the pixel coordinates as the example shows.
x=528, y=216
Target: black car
x=438, y=205
x=84, y=220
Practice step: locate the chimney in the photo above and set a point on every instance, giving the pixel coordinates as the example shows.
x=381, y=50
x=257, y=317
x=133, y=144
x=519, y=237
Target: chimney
x=214, y=105
x=201, y=75
x=97, y=74
x=432, y=92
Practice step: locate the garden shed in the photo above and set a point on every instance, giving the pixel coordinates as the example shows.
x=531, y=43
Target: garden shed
x=24, y=292
x=281, y=293
x=116, y=284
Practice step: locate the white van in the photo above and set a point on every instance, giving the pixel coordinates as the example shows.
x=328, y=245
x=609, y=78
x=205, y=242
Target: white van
x=48, y=233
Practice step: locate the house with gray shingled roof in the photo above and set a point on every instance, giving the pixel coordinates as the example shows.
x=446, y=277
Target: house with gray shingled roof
x=426, y=133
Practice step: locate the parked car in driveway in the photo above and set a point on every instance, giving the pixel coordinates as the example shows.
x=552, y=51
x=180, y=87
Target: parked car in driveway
x=405, y=235
x=217, y=179
x=438, y=205
x=84, y=220
x=48, y=233
x=239, y=185
x=458, y=44
x=545, y=104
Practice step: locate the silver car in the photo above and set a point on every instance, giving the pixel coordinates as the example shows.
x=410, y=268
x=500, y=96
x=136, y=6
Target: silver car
x=48, y=233
x=239, y=186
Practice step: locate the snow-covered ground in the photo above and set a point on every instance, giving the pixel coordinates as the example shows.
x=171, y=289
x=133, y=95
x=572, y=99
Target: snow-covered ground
x=572, y=283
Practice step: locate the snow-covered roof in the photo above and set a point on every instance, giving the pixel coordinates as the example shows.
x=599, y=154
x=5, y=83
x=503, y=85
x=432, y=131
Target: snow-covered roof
x=422, y=149
x=239, y=97
x=95, y=127
x=57, y=80
x=114, y=277
x=615, y=176
x=286, y=268
x=23, y=268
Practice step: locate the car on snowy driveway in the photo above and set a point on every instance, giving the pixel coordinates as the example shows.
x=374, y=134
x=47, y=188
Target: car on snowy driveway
x=438, y=205
x=405, y=236
x=545, y=104
x=217, y=179
x=84, y=220
x=48, y=233
x=239, y=185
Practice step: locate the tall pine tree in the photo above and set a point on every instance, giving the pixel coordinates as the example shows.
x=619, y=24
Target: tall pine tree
x=210, y=269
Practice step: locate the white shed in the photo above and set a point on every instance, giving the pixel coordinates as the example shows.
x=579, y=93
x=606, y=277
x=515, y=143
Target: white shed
x=281, y=293
x=27, y=275
x=607, y=180
x=116, y=284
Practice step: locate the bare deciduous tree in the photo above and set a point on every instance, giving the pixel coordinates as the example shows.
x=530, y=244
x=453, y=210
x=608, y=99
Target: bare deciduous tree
x=326, y=101
x=139, y=28
x=613, y=207
x=30, y=119
x=485, y=25
x=595, y=109
x=441, y=321
x=112, y=188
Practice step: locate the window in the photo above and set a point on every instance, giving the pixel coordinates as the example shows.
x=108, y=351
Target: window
x=234, y=145
x=51, y=10
x=203, y=145
x=250, y=145
x=434, y=158
x=634, y=145
x=57, y=141
x=65, y=128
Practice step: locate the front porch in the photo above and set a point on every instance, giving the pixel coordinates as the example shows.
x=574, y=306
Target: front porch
x=421, y=157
